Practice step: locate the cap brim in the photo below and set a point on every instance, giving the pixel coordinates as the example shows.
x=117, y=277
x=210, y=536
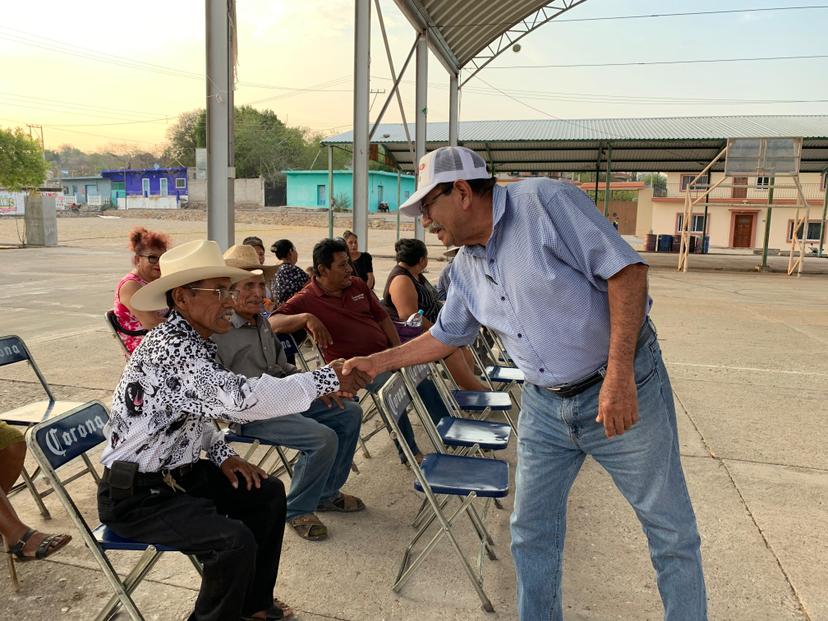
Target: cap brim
x=411, y=207
x=153, y=296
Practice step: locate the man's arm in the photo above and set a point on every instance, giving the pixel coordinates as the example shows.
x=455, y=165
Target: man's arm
x=618, y=401
x=390, y=331
x=425, y=348
x=285, y=324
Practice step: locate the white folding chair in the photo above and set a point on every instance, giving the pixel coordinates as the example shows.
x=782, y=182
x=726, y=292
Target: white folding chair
x=12, y=351
x=452, y=475
x=59, y=441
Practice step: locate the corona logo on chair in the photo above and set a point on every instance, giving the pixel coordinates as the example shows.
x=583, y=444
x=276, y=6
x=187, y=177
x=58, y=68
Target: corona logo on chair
x=58, y=440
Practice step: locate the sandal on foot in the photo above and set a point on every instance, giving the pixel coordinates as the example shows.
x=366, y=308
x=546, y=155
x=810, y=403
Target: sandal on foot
x=309, y=527
x=287, y=611
x=344, y=503
x=45, y=549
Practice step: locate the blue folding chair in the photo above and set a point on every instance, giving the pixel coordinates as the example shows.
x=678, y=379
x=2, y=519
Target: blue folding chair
x=293, y=350
x=465, y=478
x=13, y=350
x=59, y=441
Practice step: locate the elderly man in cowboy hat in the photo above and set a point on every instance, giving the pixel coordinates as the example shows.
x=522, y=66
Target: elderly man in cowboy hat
x=326, y=433
x=156, y=488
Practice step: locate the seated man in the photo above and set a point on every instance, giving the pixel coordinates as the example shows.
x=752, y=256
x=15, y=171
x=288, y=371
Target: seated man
x=352, y=320
x=155, y=488
x=326, y=433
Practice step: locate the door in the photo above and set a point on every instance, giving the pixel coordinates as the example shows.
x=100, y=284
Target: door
x=321, y=193
x=740, y=192
x=163, y=187
x=743, y=231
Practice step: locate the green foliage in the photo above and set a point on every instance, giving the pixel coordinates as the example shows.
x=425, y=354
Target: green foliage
x=342, y=202
x=185, y=135
x=21, y=161
x=77, y=163
x=615, y=195
x=657, y=181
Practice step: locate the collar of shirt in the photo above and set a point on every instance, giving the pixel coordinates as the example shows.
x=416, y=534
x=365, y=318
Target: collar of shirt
x=239, y=322
x=177, y=323
x=498, y=209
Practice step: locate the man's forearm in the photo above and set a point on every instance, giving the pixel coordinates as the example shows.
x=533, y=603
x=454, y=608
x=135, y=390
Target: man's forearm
x=425, y=348
x=283, y=324
x=627, y=292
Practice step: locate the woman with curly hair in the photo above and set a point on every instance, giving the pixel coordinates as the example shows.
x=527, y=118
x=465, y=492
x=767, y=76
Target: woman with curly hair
x=147, y=248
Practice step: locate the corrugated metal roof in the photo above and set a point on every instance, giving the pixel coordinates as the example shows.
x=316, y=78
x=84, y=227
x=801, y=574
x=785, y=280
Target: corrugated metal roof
x=611, y=130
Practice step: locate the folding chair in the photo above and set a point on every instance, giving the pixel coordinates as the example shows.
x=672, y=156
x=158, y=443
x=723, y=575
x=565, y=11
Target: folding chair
x=57, y=442
x=462, y=434
x=292, y=349
x=14, y=350
x=453, y=475
x=116, y=329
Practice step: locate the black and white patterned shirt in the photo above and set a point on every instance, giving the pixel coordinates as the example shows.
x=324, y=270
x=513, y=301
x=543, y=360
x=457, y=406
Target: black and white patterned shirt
x=172, y=389
x=287, y=281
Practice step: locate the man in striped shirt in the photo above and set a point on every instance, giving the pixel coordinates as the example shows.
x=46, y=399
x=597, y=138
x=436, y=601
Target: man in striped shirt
x=541, y=267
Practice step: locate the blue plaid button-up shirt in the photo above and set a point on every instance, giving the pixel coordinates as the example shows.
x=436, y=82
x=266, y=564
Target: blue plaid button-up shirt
x=540, y=282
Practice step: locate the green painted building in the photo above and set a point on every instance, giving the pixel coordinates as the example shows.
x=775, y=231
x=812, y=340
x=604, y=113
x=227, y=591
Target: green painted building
x=309, y=188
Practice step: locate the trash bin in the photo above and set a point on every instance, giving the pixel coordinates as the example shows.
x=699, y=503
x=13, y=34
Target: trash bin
x=650, y=242
x=706, y=244
x=665, y=243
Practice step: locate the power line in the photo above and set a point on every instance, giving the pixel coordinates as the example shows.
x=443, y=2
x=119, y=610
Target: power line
x=665, y=62
x=646, y=16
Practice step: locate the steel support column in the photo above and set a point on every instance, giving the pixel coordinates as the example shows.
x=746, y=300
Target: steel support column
x=824, y=217
x=768, y=214
x=362, y=66
x=454, y=108
x=608, y=181
x=399, y=195
x=220, y=162
x=330, y=193
x=421, y=103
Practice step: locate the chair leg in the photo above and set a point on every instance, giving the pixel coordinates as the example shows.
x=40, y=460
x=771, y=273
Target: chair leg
x=12, y=569
x=285, y=461
x=35, y=494
x=197, y=564
x=123, y=595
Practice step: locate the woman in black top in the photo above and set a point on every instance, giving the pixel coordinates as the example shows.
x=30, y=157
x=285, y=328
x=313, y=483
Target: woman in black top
x=407, y=291
x=362, y=261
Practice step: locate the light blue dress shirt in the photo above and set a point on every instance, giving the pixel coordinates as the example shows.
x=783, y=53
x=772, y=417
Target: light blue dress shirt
x=540, y=282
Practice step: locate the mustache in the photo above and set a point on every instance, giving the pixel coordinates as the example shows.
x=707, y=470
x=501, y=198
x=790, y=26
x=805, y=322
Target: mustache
x=435, y=228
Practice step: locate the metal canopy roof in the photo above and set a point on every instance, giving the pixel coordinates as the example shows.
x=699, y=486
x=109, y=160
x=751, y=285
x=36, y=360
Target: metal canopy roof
x=685, y=144
x=471, y=33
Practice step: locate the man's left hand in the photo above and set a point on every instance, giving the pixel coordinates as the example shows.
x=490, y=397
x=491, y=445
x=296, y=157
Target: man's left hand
x=618, y=404
x=235, y=465
x=332, y=399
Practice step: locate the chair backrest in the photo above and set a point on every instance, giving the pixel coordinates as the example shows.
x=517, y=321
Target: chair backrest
x=288, y=344
x=395, y=397
x=116, y=326
x=14, y=350
x=59, y=440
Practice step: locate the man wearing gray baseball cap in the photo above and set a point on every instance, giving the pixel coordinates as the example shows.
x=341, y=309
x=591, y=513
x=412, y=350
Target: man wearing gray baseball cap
x=541, y=267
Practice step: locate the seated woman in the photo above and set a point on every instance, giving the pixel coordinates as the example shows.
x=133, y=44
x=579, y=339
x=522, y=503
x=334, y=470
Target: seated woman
x=147, y=248
x=362, y=262
x=289, y=277
x=407, y=291
x=25, y=543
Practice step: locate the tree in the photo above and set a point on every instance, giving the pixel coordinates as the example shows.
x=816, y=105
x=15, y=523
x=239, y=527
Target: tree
x=657, y=181
x=185, y=136
x=21, y=161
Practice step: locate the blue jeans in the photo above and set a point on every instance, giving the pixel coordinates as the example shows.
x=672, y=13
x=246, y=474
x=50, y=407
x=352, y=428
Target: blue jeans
x=326, y=438
x=555, y=436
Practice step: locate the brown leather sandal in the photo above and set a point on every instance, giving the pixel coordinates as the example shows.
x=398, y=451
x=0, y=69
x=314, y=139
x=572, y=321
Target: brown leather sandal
x=309, y=527
x=45, y=549
x=344, y=503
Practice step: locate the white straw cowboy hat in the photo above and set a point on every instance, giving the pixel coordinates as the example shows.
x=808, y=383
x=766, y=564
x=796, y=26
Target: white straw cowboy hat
x=190, y=262
x=244, y=257
x=441, y=166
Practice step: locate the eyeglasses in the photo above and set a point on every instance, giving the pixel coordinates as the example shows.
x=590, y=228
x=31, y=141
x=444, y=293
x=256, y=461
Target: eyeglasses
x=223, y=294
x=152, y=258
x=425, y=207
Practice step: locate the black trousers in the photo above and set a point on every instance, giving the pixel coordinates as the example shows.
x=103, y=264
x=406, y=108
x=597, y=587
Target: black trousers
x=235, y=533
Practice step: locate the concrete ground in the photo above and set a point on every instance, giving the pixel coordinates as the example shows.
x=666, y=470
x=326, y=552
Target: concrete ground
x=748, y=357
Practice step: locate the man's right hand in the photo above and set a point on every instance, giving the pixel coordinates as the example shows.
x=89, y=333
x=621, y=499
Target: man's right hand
x=349, y=384
x=362, y=364
x=318, y=331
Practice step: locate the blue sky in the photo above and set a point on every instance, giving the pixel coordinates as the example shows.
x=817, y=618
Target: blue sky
x=54, y=75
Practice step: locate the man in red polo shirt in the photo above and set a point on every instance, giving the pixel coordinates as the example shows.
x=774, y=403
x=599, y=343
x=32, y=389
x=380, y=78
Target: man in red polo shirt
x=343, y=315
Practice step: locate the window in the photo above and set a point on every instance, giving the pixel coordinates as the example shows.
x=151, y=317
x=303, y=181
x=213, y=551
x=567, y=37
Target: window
x=180, y=183
x=762, y=183
x=696, y=226
x=701, y=184
x=814, y=230
x=145, y=186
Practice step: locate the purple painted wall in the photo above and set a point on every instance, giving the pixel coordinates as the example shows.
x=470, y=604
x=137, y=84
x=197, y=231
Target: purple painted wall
x=134, y=180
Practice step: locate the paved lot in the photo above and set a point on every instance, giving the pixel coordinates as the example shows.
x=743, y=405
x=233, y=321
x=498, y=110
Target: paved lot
x=748, y=355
